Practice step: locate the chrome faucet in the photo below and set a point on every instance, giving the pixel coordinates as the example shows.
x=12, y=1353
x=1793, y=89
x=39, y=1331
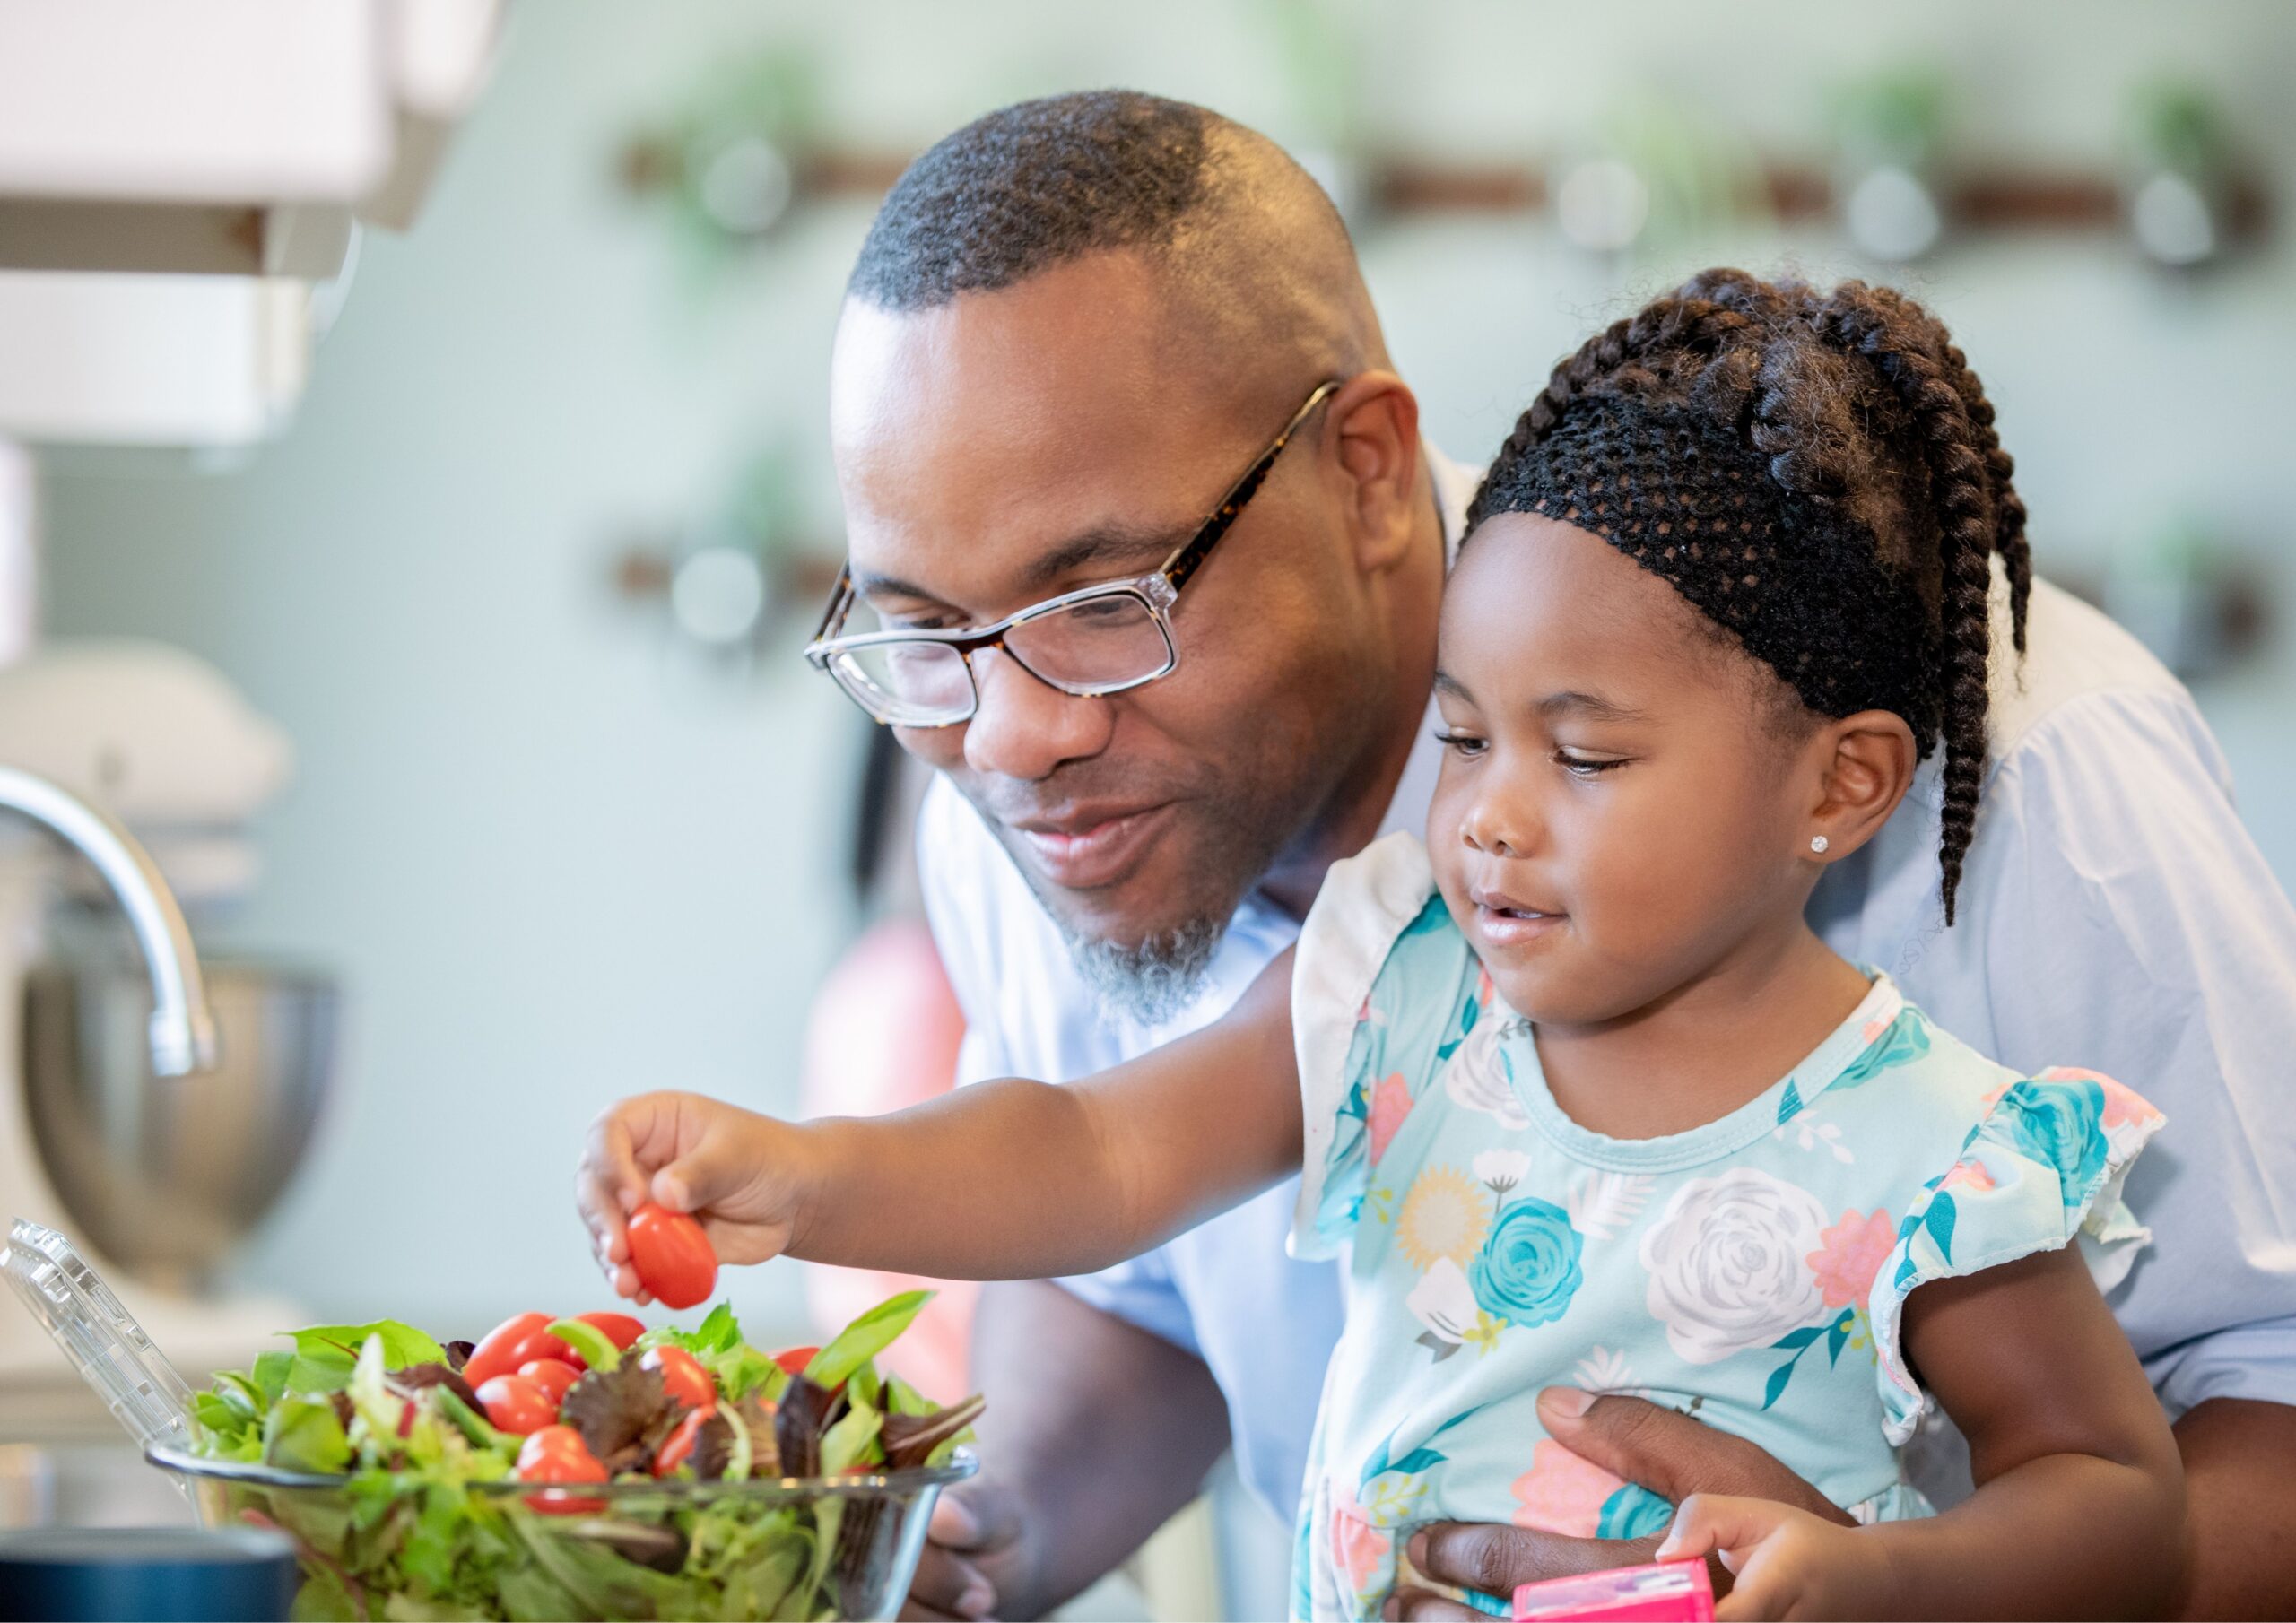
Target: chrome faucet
x=183, y=1030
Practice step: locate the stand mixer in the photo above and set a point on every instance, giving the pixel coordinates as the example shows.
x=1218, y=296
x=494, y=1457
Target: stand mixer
x=157, y=1115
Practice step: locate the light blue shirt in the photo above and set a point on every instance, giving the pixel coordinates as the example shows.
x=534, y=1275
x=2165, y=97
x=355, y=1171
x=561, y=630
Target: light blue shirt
x=2113, y=914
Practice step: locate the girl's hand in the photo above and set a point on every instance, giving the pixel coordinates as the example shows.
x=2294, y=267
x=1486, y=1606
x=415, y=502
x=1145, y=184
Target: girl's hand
x=739, y=1173
x=1786, y=1563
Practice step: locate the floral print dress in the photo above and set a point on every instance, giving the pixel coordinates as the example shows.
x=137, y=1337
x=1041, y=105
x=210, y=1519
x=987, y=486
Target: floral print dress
x=1752, y=1271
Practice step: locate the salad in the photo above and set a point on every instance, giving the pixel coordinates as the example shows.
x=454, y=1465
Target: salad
x=580, y=1467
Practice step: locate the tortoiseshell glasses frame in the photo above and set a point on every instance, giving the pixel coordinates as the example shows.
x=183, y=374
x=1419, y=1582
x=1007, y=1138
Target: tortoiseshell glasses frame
x=1092, y=642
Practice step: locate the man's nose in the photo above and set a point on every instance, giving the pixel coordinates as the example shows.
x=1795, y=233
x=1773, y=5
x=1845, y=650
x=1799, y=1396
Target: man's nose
x=1024, y=727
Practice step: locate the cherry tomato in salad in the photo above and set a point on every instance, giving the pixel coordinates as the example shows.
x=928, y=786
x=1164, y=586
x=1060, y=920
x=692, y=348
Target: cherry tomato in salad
x=554, y=1375
x=794, y=1359
x=556, y=1454
x=542, y=1344
x=683, y=1376
x=619, y=1328
x=515, y=1404
x=677, y=1448
x=673, y=1257
x=495, y=1354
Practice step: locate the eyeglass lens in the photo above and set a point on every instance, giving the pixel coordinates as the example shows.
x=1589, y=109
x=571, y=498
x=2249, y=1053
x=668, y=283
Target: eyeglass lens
x=1097, y=645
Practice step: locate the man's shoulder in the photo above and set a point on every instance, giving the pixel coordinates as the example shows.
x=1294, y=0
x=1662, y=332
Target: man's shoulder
x=2074, y=653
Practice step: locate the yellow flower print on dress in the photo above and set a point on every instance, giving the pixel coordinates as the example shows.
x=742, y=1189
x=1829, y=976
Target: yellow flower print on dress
x=1446, y=1214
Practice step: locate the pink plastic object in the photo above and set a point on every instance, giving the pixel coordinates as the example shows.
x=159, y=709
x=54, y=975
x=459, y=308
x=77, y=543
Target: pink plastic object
x=1670, y=1592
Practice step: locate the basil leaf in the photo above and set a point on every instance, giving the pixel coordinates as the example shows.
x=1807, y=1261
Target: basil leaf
x=866, y=1338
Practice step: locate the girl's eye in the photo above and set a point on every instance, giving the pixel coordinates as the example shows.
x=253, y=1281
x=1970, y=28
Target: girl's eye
x=1464, y=744
x=1585, y=766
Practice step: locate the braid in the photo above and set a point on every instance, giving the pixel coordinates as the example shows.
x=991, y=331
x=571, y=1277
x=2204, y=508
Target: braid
x=1902, y=343
x=1861, y=410
x=1684, y=321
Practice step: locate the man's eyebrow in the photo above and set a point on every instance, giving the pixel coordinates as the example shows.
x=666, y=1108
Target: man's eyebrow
x=1110, y=547
x=1591, y=704
x=868, y=583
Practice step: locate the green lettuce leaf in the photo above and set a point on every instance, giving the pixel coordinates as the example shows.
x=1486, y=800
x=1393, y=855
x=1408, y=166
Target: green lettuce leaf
x=304, y=1434
x=596, y=1346
x=850, y=1444
x=326, y=1353
x=864, y=1339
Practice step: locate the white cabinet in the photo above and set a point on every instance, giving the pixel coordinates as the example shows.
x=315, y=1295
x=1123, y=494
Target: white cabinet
x=176, y=174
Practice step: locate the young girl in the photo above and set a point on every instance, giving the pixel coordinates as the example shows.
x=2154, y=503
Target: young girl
x=1581, y=1100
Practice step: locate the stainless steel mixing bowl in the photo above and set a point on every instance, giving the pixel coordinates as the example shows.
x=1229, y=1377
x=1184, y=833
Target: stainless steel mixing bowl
x=166, y=1175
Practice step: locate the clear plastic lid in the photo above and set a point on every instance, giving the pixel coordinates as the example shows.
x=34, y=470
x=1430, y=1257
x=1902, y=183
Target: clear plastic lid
x=100, y=1337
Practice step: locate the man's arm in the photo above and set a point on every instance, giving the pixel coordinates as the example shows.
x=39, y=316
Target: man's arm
x=1099, y=1432
x=2239, y=1460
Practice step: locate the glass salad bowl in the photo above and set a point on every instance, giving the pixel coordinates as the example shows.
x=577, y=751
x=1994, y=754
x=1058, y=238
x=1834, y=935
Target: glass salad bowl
x=783, y=1548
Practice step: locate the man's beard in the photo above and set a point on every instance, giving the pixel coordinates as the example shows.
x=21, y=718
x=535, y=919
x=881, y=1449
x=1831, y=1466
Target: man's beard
x=1148, y=982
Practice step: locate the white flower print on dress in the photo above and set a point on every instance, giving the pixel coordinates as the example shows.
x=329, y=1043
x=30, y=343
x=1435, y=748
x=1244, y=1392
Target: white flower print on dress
x=1605, y=1370
x=1806, y=1134
x=1501, y=1169
x=1479, y=1077
x=1600, y=1203
x=1729, y=1265
x=1444, y=1302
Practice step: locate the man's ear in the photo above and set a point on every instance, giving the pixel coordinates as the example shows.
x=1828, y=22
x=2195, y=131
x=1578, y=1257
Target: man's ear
x=1865, y=764
x=1375, y=419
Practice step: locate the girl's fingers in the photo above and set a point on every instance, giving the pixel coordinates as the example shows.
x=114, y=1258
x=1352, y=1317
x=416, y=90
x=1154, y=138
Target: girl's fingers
x=1751, y=1602
x=1720, y=1525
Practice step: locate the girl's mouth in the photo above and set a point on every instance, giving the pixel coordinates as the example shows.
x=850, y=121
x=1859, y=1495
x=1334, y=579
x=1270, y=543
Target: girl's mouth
x=1501, y=922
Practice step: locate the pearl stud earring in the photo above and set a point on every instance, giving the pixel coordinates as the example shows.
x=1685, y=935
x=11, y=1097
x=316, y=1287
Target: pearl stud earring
x=1818, y=844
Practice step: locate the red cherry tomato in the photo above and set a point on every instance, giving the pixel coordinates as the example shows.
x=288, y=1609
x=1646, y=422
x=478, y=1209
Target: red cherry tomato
x=515, y=1404
x=678, y=1446
x=555, y=1454
x=683, y=1376
x=673, y=1257
x=794, y=1359
x=619, y=1328
x=542, y=1344
x=493, y=1355
x=554, y=1375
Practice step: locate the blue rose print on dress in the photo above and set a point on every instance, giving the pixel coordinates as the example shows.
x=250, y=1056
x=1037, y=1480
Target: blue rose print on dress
x=2059, y=1125
x=1905, y=1040
x=1634, y=1512
x=1527, y=1269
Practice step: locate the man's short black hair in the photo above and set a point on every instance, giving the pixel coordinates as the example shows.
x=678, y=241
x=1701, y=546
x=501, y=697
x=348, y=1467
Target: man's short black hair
x=1033, y=186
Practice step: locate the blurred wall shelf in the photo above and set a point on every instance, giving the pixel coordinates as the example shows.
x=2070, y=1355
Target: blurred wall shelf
x=1972, y=199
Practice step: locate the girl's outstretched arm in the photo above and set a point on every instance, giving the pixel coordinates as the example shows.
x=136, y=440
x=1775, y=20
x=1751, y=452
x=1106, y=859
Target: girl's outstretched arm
x=2079, y=1510
x=1007, y=1179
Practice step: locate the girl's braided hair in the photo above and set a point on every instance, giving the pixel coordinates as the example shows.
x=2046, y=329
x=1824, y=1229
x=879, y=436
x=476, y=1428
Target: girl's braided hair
x=1866, y=422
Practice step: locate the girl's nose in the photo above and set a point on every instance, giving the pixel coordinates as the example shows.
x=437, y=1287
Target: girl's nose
x=1495, y=826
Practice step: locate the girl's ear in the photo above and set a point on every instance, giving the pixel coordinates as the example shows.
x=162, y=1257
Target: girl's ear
x=1376, y=419
x=1865, y=765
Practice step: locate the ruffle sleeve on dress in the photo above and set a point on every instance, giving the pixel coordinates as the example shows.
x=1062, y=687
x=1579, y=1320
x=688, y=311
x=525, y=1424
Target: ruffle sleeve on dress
x=2043, y=1168
x=1378, y=929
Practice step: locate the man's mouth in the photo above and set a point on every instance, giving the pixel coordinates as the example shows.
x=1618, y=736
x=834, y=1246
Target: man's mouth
x=1088, y=849
x=1505, y=921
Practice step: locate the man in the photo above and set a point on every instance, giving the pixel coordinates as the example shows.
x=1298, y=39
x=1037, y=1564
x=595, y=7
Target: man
x=1075, y=324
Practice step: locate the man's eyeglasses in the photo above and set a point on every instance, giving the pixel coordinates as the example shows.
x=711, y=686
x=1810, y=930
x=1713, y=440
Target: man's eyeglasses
x=1097, y=640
